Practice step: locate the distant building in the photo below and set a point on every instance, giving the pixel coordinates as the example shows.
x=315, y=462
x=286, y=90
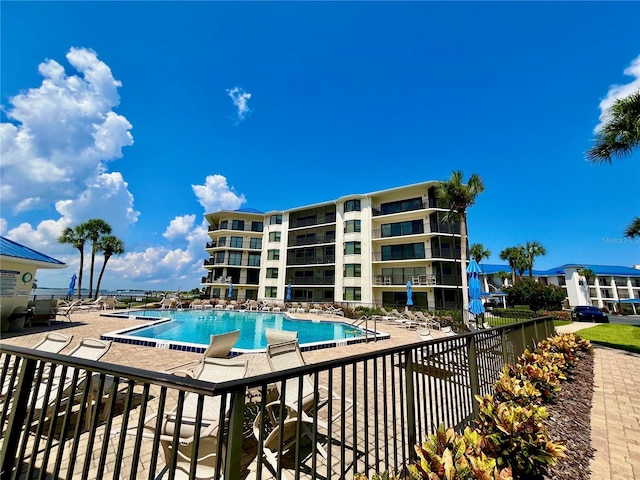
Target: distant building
x=612, y=284
x=18, y=266
x=357, y=249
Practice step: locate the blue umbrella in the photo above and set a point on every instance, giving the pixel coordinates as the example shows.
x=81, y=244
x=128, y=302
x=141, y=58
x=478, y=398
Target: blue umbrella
x=409, y=294
x=72, y=285
x=289, y=292
x=475, y=291
x=230, y=289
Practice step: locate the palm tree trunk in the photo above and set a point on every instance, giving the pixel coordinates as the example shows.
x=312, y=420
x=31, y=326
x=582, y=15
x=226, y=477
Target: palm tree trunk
x=463, y=267
x=93, y=259
x=80, y=275
x=104, y=265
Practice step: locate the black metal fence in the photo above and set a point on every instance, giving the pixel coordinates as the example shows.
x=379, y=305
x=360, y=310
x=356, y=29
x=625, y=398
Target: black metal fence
x=64, y=417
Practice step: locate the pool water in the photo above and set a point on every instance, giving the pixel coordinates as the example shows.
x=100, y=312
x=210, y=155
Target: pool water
x=191, y=326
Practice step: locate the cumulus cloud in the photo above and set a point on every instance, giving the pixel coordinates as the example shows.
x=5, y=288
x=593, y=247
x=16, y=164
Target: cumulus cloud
x=179, y=227
x=61, y=134
x=240, y=99
x=215, y=194
x=620, y=91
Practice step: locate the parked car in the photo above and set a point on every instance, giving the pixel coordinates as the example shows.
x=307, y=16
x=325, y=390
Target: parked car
x=586, y=313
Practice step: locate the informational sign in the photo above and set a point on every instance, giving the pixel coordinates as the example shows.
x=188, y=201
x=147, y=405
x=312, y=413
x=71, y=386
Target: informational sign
x=8, y=282
x=23, y=293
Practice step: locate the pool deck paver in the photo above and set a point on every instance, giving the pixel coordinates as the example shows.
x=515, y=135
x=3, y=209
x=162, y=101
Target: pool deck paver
x=615, y=415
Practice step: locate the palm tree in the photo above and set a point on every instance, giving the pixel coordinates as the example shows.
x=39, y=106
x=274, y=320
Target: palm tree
x=620, y=134
x=458, y=197
x=588, y=275
x=533, y=250
x=478, y=252
x=513, y=255
x=109, y=245
x=633, y=230
x=94, y=228
x=77, y=238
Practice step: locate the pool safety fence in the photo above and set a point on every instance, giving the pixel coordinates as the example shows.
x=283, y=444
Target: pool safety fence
x=64, y=417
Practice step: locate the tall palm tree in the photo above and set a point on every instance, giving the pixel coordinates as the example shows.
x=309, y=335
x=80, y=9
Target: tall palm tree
x=459, y=197
x=478, y=252
x=94, y=228
x=77, y=238
x=513, y=255
x=620, y=133
x=633, y=230
x=533, y=250
x=588, y=275
x=110, y=245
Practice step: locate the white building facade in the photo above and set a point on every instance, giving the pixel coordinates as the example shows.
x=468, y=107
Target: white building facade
x=359, y=249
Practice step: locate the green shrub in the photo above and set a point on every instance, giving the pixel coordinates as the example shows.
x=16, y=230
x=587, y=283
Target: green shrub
x=535, y=294
x=515, y=314
x=557, y=314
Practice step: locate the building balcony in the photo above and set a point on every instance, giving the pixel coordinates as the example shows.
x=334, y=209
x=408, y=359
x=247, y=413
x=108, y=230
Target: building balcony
x=314, y=240
x=326, y=259
x=320, y=281
x=310, y=222
x=249, y=228
x=232, y=263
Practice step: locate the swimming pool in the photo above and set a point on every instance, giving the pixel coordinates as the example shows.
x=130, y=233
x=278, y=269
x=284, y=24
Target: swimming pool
x=190, y=330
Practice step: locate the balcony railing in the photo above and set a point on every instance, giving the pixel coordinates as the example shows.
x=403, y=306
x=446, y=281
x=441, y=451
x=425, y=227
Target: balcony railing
x=213, y=228
x=399, y=395
x=315, y=240
x=308, y=222
x=377, y=211
x=321, y=259
x=428, y=255
x=234, y=263
x=312, y=281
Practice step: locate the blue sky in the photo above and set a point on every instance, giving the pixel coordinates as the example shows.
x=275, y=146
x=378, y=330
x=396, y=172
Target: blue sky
x=150, y=114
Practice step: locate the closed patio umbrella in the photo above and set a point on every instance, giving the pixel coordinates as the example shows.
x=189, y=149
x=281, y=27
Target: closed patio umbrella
x=288, y=292
x=409, y=294
x=230, y=290
x=72, y=285
x=475, y=292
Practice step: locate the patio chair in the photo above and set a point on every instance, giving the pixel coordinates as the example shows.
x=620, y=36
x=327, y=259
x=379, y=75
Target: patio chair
x=287, y=355
x=51, y=343
x=67, y=310
x=280, y=437
x=196, y=304
x=220, y=345
x=214, y=370
x=63, y=388
x=90, y=305
x=333, y=311
x=428, y=322
x=44, y=310
x=448, y=332
x=278, y=336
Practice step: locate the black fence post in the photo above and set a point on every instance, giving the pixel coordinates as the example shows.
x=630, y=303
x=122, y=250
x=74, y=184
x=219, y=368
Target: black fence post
x=473, y=373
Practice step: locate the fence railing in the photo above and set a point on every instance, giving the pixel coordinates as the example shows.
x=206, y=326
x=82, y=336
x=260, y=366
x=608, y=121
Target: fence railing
x=68, y=417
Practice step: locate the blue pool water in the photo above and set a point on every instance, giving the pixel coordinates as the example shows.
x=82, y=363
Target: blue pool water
x=196, y=327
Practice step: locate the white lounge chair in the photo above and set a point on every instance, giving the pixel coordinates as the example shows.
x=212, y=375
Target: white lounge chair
x=214, y=370
x=278, y=336
x=287, y=355
x=220, y=345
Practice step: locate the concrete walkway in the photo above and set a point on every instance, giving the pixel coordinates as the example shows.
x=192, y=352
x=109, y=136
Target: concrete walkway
x=615, y=414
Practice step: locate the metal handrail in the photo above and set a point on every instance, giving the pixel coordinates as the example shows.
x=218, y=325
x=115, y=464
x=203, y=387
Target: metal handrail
x=421, y=398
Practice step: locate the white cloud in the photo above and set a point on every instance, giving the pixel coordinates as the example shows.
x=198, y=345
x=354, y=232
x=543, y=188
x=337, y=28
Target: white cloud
x=216, y=195
x=179, y=227
x=62, y=133
x=3, y=226
x=620, y=91
x=240, y=99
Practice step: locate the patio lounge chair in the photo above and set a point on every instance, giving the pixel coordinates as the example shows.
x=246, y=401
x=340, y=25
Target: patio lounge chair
x=287, y=355
x=428, y=322
x=63, y=387
x=214, y=370
x=51, y=343
x=67, y=310
x=333, y=311
x=280, y=436
x=448, y=332
x=278, y=336
x=220, y=345
x=44, y=310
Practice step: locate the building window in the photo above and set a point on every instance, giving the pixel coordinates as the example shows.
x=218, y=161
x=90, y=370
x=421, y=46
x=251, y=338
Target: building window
x=256, y=226
x=403, y=252
x=237, y=225
x=352, y=293
x=353, y=270
x=236, y=242
x=274, y=236
x=352, y=248
x=271, y=292
x=402, y=228
x=272, y=273
x=255, y=243
x=402, y=206
x=235, y=258
x=224, y=224
x=254, y=260
x=222, y=241
x=352, y=206
x=273, y=255
x=219, y=257
x=275, y=220
x=351, y=226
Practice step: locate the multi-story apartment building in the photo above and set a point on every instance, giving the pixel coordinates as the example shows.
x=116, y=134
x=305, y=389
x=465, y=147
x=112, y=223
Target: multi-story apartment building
x=357, y=249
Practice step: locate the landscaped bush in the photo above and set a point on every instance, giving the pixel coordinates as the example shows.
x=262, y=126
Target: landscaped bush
x=557, y=314
x=535, y=294
x=512, y=313
x=510, y=438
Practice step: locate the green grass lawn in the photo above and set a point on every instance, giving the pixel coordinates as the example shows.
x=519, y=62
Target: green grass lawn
x=622, y=337
x=558, y=323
